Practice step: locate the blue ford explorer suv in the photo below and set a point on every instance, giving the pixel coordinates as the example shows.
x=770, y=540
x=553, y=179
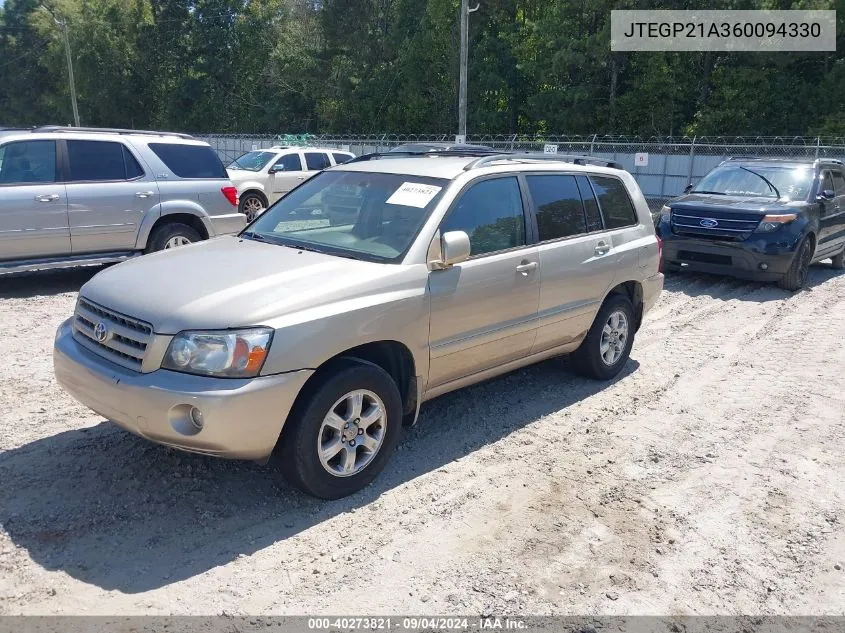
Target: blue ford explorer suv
x=758, y=218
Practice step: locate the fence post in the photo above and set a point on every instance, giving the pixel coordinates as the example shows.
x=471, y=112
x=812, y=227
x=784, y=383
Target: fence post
x=818, y=142
x=691, y=159
x=592, y=143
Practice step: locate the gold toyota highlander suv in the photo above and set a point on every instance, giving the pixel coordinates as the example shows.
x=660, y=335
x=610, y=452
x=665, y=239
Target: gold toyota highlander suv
x=314, y=335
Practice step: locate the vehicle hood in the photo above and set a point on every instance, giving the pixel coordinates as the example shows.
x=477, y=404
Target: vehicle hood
x=242, y=175
x=733, y=204
x=228, y=282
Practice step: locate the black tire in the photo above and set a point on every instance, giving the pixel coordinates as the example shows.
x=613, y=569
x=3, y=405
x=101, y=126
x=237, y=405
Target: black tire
x=795, y=278
x=587, y=360
x=248, y=198
x=166, y=232
x=297, y=456
x=838, y=261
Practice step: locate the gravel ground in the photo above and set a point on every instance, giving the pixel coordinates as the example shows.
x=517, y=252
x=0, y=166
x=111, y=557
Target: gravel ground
x=707, y=479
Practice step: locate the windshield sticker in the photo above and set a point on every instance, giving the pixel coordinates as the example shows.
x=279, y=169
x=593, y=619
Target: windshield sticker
x=414, y=194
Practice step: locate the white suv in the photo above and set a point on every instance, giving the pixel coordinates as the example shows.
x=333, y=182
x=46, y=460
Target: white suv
x=263, y=176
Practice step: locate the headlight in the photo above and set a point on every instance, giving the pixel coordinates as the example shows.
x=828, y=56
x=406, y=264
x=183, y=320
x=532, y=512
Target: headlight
x=225, y=354
x=665, y=213
x=774, y=222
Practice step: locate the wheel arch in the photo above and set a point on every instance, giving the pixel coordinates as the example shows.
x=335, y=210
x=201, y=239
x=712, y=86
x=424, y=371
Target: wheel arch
x=633, y=290
x=255, y=191
x=393, y=357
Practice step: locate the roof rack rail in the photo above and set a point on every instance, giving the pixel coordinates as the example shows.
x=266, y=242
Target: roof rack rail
x=428, y=154
x=105, y=130
x=532, y=156
x=835, y=161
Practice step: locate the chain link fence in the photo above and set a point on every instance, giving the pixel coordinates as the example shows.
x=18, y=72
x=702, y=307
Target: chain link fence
x=662, y=166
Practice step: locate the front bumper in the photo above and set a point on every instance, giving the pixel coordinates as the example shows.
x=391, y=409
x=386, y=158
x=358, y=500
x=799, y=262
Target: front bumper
x=242, y=419
x=736, y=259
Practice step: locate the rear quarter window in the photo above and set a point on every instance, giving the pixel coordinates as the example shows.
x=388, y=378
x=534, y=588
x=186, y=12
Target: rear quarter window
x=614, y=201
x=190, y=161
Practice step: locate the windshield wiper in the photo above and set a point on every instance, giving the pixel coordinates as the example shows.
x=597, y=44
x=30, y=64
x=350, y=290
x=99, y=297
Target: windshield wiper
x=252, y=235
x=717, y=193
x=766, y=180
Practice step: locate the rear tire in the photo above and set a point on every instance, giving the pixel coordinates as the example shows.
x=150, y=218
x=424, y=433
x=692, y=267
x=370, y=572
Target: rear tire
x=607, y=346
x=795, y=278
x=171, y=235
x=327, y=421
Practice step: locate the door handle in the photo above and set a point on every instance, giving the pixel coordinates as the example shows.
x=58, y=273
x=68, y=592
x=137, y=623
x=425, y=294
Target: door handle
x=526, y=267
x=300, y=177
x=145, y=194
x=602, y=248
x=47, y=197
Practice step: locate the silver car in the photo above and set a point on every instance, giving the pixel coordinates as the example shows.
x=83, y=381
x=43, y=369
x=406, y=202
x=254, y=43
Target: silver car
x=313, y=342
x=71, y=196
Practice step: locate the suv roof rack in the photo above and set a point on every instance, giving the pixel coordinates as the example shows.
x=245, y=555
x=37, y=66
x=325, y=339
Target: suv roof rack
x=429, y=154
x=783, y=159
x=537, y=156
x=105, y=130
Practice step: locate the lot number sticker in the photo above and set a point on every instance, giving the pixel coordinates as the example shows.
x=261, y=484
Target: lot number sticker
x=413, y=194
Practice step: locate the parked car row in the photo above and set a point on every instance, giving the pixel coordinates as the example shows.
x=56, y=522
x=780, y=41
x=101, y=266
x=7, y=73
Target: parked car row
x=73, y=196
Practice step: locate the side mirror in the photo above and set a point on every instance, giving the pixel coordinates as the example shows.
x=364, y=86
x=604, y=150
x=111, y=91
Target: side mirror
x=454, y=248
x=275, y=169
x=688, y=188
x=827, y=194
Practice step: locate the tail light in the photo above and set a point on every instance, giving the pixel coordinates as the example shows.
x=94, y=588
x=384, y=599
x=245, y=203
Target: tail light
x=659, y=254
x=231, y=194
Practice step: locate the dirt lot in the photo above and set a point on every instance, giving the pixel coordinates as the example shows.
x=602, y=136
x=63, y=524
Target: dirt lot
x=707, y=479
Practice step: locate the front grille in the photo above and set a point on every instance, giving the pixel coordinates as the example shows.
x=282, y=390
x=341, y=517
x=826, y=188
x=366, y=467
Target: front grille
x=729, y=226
x=125, y=341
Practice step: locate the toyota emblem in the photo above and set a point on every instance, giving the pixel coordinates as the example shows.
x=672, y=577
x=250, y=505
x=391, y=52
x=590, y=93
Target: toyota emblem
x=101, y=332
x=709, y=223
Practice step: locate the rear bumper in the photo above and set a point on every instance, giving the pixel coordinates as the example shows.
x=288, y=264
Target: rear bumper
x=242, y=418
x=227, y=224
x=748, y=260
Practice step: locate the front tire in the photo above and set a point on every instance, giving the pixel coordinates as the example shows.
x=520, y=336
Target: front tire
x=607, y=346
x=171, y=235
x=338, y=440
x=252, y=205
x=796, y=277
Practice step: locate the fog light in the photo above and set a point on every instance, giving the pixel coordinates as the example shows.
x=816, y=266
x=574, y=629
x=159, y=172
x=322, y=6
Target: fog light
x=196, y=418
x=764, y=266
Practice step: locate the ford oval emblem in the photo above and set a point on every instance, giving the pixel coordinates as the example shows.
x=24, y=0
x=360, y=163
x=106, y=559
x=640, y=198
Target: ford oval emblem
x=709, y=223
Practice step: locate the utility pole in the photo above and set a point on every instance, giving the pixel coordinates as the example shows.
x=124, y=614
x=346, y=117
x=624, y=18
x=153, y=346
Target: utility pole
x=62, y=24
x=462, y=90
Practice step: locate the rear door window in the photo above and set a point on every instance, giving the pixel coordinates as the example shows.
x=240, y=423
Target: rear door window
x=558, y=206
x=339, y=159
x=133, y=169
x=616, y=206
x=190, y=161
x=317, y=160
x=92, y=161
x=28, y=162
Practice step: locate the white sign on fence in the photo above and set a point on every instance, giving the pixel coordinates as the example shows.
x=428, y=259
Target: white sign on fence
x=549, y=149
x=460, y=139
x=254, y=147
x=641, y=159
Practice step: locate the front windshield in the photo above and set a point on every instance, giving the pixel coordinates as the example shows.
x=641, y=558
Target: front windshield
x=793, y=183
x=363, y=215
x=252, y=161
